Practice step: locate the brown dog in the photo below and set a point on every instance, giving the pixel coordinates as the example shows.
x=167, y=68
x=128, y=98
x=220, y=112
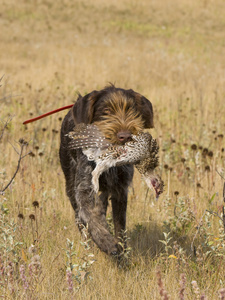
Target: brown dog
x=118, y=113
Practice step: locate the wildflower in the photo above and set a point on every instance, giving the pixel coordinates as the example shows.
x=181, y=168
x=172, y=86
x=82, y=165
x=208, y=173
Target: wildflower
x=69, y=280
x=162, y=291
x=9, y=270
x=34, y=266
x=23, y=277
x=32, y=249
x=182, y=286
x=222, y=294
x=196, y=289
x=197, y=159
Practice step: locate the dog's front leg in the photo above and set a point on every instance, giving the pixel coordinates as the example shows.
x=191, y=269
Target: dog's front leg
x=119, y=208
x=92, y=212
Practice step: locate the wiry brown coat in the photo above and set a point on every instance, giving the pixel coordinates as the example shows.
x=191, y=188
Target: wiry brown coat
x=118, y=113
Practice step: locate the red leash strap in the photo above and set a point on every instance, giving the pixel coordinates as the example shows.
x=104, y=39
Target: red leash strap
x=47, y=114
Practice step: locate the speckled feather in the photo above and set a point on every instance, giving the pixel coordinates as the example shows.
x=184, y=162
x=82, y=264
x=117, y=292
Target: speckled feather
x=142, y=151
x=87, y=136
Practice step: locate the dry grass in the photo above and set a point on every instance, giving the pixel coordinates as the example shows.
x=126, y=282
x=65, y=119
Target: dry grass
x=173, y=53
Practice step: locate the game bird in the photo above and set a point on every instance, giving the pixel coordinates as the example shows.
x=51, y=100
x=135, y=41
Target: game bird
x=141, y=151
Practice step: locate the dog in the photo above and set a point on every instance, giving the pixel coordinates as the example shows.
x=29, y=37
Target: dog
x=118, y=113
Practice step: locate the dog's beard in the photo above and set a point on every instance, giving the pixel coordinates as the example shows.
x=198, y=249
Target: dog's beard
x=112, y=124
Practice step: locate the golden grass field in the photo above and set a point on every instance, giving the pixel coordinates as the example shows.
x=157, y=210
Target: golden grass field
x=172, y=52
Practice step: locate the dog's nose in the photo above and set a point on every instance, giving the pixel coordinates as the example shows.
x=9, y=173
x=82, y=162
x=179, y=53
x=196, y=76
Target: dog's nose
x=124, y=136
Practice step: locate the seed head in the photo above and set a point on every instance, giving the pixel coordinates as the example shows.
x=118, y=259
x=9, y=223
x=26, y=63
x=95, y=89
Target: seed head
x=20, y=216
x=35, y=204
x=210, y=154
x=32, y=217
x=207, y=168
x=23, y=142
x=194, y=147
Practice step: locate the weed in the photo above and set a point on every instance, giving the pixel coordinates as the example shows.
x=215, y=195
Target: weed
x=78, y=268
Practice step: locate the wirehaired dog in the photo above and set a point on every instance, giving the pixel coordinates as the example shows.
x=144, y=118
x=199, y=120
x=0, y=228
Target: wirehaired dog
x=118, y=114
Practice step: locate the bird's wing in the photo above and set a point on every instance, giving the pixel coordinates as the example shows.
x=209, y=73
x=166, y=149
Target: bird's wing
x=87, y=136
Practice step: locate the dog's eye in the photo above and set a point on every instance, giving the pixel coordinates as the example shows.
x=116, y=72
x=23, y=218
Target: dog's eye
x=106, y=111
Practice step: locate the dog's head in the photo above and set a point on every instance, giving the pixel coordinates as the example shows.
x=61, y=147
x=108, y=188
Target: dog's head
x=118, y=113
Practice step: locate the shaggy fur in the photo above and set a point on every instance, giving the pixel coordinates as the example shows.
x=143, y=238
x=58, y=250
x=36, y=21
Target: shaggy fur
x=118, y=113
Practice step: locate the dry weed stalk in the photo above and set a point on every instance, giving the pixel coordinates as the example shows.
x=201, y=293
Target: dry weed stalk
x=182, y=286
x=21, y=156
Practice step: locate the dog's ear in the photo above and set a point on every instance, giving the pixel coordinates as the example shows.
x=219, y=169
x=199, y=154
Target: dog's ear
x=83, y=108
x=146, y=110
x=144, y=106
